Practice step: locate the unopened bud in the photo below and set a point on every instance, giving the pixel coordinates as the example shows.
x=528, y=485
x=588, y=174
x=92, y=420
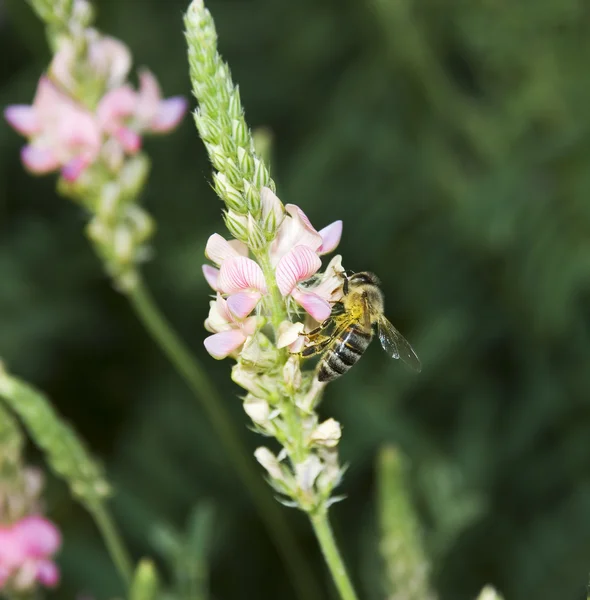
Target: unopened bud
x=269, y=461
x=327, y=434
x=256, y=238
x=261, y=174
x=292, y=373
x=123, y=244
x=257, y=409
x=235, y=104
x=134, y=174
x=240, y=132
x=229, y=194
x=245, y=163
x=108, y=202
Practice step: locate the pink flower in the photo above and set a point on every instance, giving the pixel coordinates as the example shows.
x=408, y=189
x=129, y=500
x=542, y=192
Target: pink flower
x=109, y=61
x=26, y=548
x=296, y=230
x=62, y=134
x=67, y=136
x=230, y=331
x=294, y=254
x=127, y=114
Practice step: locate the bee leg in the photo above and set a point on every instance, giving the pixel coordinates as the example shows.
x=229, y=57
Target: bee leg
x=316, y=348
x=315, y=332
x=337, y=309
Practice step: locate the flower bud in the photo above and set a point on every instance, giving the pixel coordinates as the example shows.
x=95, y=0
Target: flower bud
x=235, y=105
x=327, y=434
x=257, y=409
x=228, y=193
x=246, y=165
x=269, y=461
x=261, y=174
x=240, y=133
x=292, y=373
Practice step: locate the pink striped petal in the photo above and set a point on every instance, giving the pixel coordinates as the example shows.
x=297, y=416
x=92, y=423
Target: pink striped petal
x=39, y=160
x=218, y=249
x=242, y=303
x=239, y=247
x=239, y=274
x=169, y=114
x=330, y=237
x=211, y=274
x=221, y=345
x=47, y=573
x=317, y=307
x=23, y=118
x=295, y=230
x=298, y=264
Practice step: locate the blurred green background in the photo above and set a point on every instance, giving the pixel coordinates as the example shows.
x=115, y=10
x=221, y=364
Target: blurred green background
x=453, y=139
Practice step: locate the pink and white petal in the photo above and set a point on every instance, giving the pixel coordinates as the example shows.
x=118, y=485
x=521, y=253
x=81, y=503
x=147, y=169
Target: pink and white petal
x=221, y=345
x=217, y=320
x=116, y=105
x=297, y=345
x=111, y=58
x=317, y=307
x=239, y=247
x=295, y=230
x=239, y=274
x=47, y=573
x=271, y=204
x=169, y=114
x=288, y=333
x=23, y=118
x=39, y=160
x=74, y=168
x=330, y=285
x=242, y=303
x=129, y=139
x=39, y=536
x=298, y=264
x=219, y=249
x=251, y=324
x=330, y=237
x=148, y=98
x=211, y=274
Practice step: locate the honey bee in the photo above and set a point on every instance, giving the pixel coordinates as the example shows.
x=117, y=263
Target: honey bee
x=345, y=335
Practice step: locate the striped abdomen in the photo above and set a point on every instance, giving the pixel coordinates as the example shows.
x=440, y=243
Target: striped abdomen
x=344, y=352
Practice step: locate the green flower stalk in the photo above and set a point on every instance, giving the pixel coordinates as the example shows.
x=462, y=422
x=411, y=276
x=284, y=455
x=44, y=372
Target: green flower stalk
x=68, y=458
x=267, y=283
x=406, y=565
x=87, y=123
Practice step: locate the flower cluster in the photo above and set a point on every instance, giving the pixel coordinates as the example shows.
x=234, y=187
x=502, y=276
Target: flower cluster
x=26, y=550
x=69, y=131
x=240, y=283
x=87, y=122
x=278, y=392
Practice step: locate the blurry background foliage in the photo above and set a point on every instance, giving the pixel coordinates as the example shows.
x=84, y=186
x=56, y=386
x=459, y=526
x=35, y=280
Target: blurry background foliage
x=453, y=139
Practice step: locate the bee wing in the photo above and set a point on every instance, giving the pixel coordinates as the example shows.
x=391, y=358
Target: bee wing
x=396, y=345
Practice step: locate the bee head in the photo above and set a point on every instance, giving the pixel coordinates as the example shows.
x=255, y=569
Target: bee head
x=364, y=278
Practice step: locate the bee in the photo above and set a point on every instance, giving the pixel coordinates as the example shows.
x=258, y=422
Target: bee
x=345, y=335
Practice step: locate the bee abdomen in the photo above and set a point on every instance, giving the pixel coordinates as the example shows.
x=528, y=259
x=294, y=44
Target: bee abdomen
x=344, y=353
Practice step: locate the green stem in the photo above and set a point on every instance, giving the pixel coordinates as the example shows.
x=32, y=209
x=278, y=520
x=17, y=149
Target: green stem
x=200, y=384
x=323, y=531
x=113, y=541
